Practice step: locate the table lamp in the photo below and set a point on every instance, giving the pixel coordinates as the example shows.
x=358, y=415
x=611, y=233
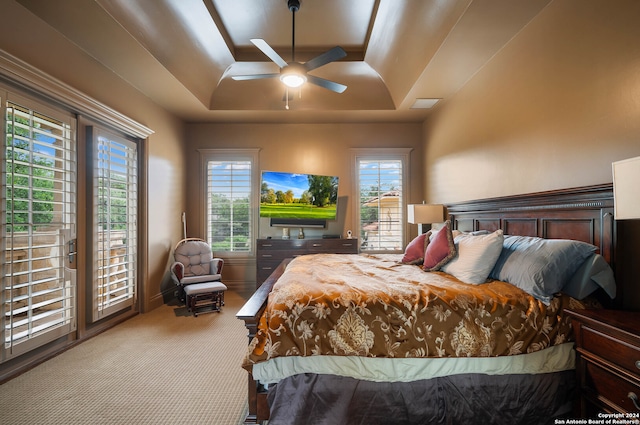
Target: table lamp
x=626, y=197
x=425, y=214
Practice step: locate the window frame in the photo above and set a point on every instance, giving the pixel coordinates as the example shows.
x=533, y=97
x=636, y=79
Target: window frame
x=247, y=154
x=382, y=154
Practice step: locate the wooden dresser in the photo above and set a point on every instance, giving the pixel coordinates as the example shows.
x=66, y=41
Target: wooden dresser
x=271, y=252
x=608, y=362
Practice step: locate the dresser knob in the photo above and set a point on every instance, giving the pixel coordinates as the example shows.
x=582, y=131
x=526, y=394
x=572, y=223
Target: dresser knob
x=634, y=399
x=638, y=364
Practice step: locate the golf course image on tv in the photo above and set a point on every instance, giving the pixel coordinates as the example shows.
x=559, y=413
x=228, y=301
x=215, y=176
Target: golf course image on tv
x=298, y=196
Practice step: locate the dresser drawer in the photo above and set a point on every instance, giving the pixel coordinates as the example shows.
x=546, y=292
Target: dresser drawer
x=335, y=246
x=268, y=265
x=609, y=388
x=280, y=244
x=268, y=255
x=608, y=348
x=615, y=351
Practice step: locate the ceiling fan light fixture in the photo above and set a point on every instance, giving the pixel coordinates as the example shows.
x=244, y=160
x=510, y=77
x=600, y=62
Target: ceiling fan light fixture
x=293, y=75
x=293, y=80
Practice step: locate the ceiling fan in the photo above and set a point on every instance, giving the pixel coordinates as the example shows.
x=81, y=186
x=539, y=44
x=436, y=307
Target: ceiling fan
x=294, y=74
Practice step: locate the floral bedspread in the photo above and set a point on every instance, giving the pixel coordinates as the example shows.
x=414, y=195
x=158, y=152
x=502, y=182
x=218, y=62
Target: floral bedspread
x=370, y=305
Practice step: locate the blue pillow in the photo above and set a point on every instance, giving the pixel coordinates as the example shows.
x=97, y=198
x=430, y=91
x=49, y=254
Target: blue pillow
x=594, y=273
x=539, y=266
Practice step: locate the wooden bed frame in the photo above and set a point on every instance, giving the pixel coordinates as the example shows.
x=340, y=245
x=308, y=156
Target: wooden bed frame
x=584, y=214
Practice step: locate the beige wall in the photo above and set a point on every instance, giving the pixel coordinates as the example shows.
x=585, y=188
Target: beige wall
x=166, y=176
x=306, y=148
x=551, y=110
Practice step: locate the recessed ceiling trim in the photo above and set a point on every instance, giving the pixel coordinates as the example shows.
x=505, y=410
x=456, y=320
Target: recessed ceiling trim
x=372, y=21
x=251, y=54
x=221, y=28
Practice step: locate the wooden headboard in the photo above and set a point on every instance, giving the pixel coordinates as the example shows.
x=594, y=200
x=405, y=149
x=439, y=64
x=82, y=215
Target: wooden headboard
x=584, y=214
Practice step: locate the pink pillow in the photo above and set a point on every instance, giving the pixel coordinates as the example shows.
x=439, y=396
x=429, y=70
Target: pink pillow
x=440, y=250
x=414, y=253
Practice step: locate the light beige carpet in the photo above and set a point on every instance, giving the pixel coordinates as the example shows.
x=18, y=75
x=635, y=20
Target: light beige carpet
x=162, y=367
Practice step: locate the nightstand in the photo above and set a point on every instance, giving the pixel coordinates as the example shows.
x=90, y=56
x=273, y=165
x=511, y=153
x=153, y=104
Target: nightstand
x=608, y=361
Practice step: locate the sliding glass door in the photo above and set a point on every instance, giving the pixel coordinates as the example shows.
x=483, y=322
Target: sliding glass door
x=38, y=225
x=38, y=250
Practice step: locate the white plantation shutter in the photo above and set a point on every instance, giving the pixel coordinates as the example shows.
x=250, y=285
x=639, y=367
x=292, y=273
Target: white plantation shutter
x=115, y=211
x=38, y=220
x=229, y=205
x=381, y=185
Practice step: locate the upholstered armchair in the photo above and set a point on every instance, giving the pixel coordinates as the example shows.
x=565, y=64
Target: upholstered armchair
x=197, y=274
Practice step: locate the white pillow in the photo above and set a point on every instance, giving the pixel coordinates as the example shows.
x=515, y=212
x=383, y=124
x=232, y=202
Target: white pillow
x=477, y=254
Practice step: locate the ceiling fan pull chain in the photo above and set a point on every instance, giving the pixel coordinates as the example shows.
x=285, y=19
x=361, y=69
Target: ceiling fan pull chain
x=286, y=97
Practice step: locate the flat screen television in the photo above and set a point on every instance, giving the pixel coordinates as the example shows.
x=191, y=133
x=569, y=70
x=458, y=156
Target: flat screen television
x=298, y=200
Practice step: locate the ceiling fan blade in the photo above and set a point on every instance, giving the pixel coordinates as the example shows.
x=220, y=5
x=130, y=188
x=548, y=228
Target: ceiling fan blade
x=267, y=50
x=329, y=56
x=254, y=77
x=333, y=86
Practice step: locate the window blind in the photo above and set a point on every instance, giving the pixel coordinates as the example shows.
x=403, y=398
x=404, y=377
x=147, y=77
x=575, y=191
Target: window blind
x=115, y=217
x=38, y=216
x=380, y=185
x=229, y=204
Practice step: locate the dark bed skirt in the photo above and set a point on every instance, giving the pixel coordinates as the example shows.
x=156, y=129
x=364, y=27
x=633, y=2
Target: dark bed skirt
x=456, y=399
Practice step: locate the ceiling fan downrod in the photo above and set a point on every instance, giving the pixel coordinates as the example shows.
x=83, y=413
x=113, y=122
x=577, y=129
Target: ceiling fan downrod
x=294, y=6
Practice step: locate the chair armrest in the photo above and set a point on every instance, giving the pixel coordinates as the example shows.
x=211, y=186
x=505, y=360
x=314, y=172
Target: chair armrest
x=177, y=272
x=216, y=265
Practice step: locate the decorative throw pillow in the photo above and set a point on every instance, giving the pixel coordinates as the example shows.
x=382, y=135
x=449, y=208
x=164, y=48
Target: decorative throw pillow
x=477, y=254
x=414, y=253
x=539, y=266
x=440, y=250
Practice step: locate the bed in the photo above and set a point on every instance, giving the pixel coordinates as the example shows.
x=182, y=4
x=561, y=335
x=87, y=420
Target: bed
x=451, y=337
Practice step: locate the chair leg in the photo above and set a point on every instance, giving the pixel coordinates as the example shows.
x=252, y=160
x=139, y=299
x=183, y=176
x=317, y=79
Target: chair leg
x=180, y=294
x=219, y=300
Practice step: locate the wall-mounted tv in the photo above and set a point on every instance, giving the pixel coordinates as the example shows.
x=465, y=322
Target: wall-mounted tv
x=298, y=200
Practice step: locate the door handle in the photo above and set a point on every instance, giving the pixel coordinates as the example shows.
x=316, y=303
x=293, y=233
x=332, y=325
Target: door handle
x=72, y=254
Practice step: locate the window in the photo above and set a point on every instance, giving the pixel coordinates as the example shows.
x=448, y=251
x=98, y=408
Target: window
x=381, y=185
x=230, y=179
x=38, y=220
x=115, y=233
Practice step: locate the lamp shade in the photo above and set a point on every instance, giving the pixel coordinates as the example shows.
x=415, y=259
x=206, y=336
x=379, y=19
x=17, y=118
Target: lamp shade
x=425, y=213
x=626, y=197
